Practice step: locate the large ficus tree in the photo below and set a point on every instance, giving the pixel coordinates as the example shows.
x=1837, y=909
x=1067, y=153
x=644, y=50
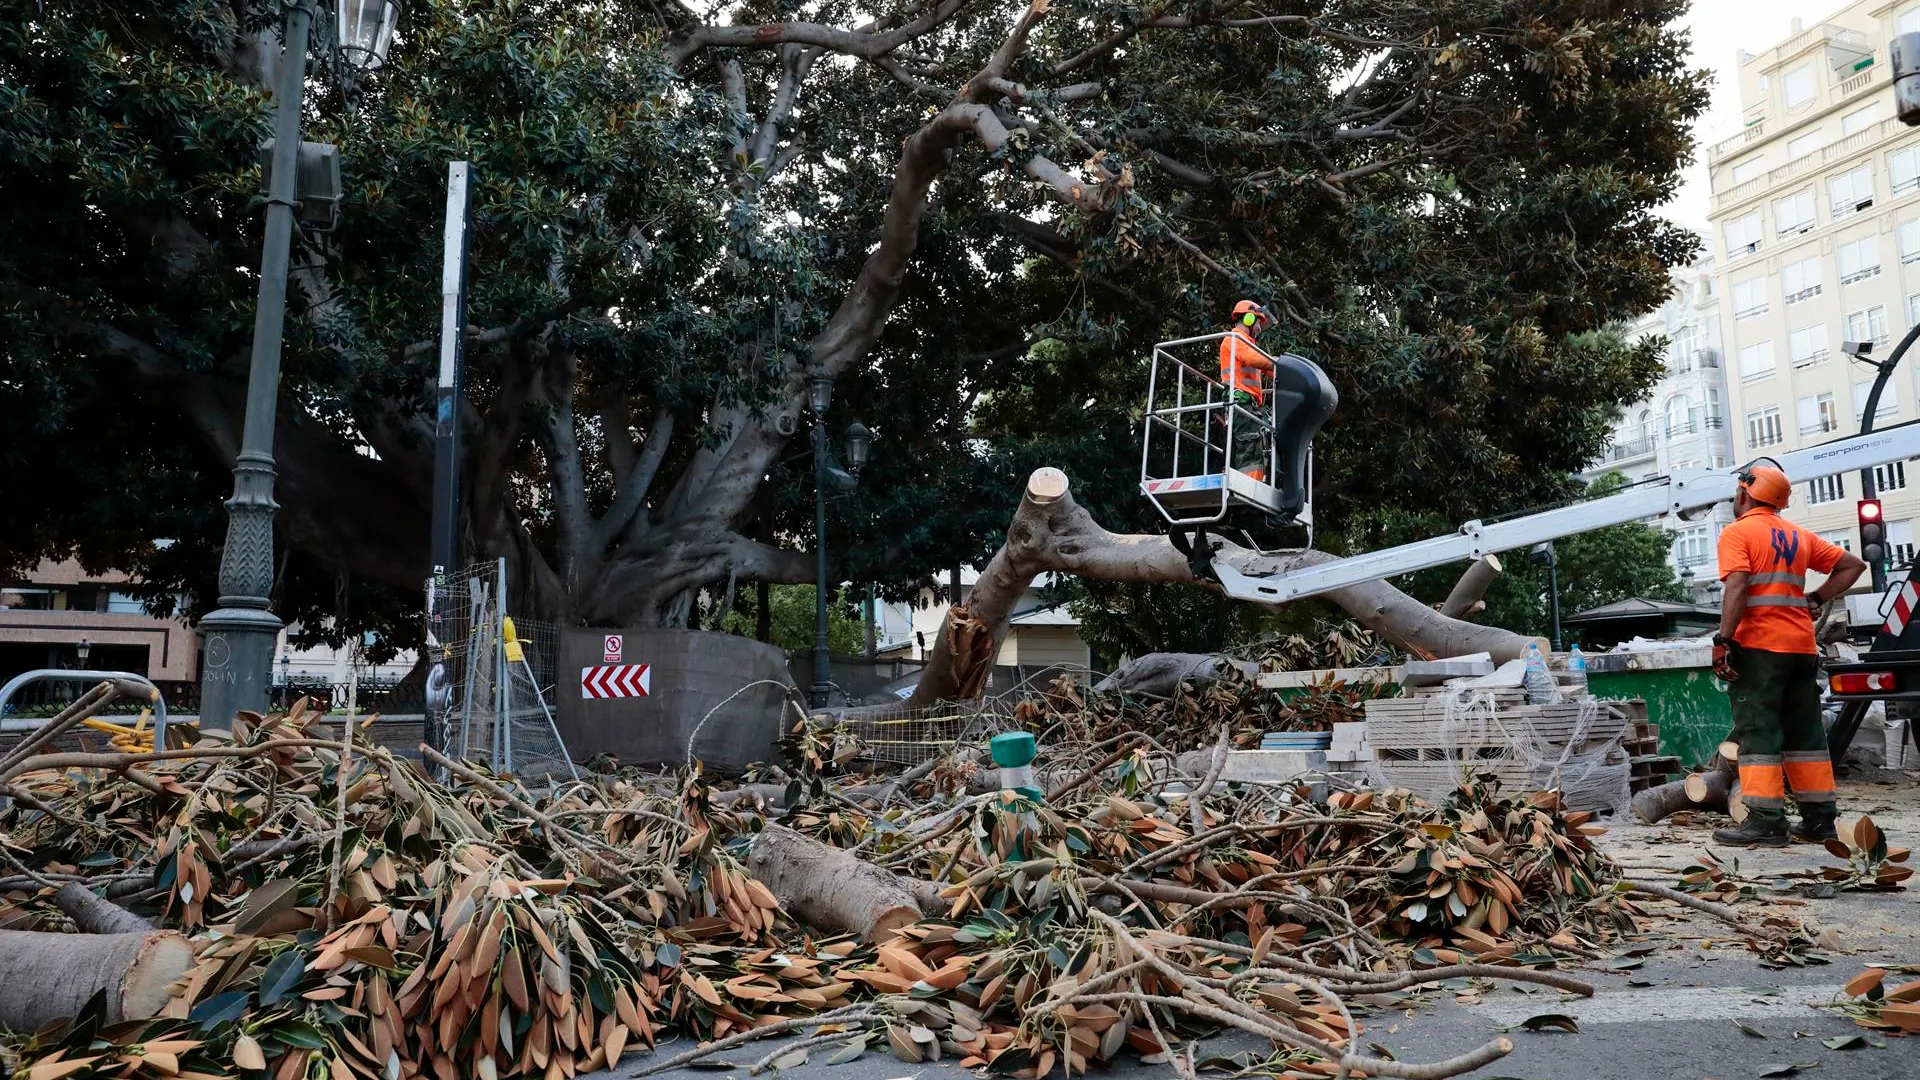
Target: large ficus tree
x=683, y=212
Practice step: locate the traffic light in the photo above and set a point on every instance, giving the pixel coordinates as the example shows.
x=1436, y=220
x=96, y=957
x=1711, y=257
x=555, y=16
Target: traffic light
x=1873, y=532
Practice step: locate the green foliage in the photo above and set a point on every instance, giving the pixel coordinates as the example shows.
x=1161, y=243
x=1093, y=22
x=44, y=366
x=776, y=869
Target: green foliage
x=792, y=619
x=1445, y=235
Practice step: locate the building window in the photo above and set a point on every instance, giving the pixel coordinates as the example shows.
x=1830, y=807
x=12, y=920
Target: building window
x=1690, y=546
x=1868, y=325
x=1802, y=146
x=1910, y=240
x=1756, y=361
x=1900, y=544
x=1743, y=235
x=1826, y=489
x=1796, y=86
x=1859, y=260
x=1840, y=538
x=1800, y=281
x=1808, y=345
x=1818, y=414
x=1851, y=191
x=1892, y=477
x=1678, y=422
x=1763, y=427
x=1744, y=171
x=26, y=598
x=1750, y=298
x=1859, y=119
x=1794, y=213
x=1884, y=408
x=1903, y=169
x=119, y=603
x=1713, y=406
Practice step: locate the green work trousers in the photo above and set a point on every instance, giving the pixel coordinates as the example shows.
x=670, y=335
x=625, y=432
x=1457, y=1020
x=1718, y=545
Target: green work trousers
x=1250, y=450
x=1776, y=721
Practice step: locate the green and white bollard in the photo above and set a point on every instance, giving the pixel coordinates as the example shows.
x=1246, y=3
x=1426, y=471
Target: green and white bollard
x=1013, y=753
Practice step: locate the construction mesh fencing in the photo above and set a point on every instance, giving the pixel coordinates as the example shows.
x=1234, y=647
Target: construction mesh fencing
x=492, y=695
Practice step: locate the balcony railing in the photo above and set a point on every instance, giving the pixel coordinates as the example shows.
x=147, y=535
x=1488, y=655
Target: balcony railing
x=1695, y=427
x=1748, y=135
x=1861, y=274
x=1807, y=293
x=1820, y=428
x=1818, y=356
x=1632, y=448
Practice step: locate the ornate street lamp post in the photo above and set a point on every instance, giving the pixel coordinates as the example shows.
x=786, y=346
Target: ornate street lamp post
x=237, y=661
x=859, y=446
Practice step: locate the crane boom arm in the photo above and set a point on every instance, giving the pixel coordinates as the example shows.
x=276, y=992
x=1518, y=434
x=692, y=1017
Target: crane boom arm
x=1686, y=491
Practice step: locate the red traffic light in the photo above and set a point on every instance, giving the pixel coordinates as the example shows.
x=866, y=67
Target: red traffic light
x=1869, y=509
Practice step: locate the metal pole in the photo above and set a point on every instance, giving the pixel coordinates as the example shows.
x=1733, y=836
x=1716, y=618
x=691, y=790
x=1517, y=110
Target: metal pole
x=1867, y=486
x=237, y=661
x=1553, y=593
x=445, y=543
x=822, y=675
x=873, y=613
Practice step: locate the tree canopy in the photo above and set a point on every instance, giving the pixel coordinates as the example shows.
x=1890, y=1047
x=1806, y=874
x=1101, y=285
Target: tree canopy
x=974, y=216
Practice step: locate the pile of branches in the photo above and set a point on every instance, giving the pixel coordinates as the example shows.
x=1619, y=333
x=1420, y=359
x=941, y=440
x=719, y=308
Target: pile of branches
x=349, y=915
x=1191, y=715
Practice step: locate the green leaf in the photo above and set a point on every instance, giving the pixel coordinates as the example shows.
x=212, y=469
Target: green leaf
x=851, y=1052
x=1556, y=1021
x=1844, y=1042
x=298, y=1034
x=1748, y=1031
x=792, y=1059
x=280, y=977
x=667, y=955
x=220, y=1009
x=1625, y=963
x=1787, y=1070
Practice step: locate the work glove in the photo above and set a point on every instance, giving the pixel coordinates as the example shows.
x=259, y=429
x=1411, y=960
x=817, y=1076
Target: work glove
x=1723, y=663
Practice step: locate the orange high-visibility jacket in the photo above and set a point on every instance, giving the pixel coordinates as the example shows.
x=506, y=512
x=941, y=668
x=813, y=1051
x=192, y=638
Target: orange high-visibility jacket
x=1242, y=363
x=1775, y=554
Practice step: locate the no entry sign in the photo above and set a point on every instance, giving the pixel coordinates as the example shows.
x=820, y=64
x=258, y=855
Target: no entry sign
x=615, y=681
x=611, y=649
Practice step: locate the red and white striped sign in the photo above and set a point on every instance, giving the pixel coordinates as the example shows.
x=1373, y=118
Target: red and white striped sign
x=615, y=681
x=1903, y=606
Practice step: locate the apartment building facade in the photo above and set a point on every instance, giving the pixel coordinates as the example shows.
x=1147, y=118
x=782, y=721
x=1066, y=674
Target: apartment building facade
x=1681, y=423
x=1816, y=228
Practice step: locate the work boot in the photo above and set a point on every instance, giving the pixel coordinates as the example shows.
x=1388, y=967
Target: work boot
x=1754, y=832
x=1816, y=823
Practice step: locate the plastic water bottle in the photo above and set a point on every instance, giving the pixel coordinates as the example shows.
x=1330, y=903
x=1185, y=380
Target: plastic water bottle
x=1541, y=688
x=1577, y=667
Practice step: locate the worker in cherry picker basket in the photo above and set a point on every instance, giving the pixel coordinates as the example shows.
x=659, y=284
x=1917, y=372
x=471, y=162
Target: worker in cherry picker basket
x=1766, y=652
x=1243, y=368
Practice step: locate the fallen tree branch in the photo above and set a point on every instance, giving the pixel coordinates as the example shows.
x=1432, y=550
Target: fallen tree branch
x=1050, y=532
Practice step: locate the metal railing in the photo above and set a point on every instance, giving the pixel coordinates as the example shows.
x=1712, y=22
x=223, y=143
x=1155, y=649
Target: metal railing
x=1695, y=426
x=1632, y=448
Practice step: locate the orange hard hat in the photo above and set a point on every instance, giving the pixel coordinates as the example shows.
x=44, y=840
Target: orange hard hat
x=1768, y=485
x=1249, y=307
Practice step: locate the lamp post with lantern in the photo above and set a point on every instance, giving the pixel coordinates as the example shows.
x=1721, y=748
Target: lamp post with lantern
x=237, y=657
x=859, y=445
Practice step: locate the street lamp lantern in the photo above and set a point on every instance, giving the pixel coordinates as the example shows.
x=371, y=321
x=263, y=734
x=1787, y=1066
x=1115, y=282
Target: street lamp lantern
x=819, y=392
x=859, y=444
x=85, y=649
x=366, y=31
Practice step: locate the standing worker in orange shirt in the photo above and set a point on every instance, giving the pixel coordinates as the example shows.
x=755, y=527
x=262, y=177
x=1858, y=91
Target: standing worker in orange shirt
x=1242, y=366
x=1766, y=652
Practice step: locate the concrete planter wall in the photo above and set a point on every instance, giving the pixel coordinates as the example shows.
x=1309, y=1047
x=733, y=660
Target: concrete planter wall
x=690, y=672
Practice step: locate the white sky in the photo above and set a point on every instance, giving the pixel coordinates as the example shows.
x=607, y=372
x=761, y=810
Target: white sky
x=1721, y=28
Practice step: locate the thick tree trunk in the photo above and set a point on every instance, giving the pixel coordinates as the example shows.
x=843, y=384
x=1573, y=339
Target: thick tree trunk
x=828, y=888
x=96, y=916
x=1467, y=594
x=52, y=976
x=1050, y=532
x=1711, y=788
x=1160, y=674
